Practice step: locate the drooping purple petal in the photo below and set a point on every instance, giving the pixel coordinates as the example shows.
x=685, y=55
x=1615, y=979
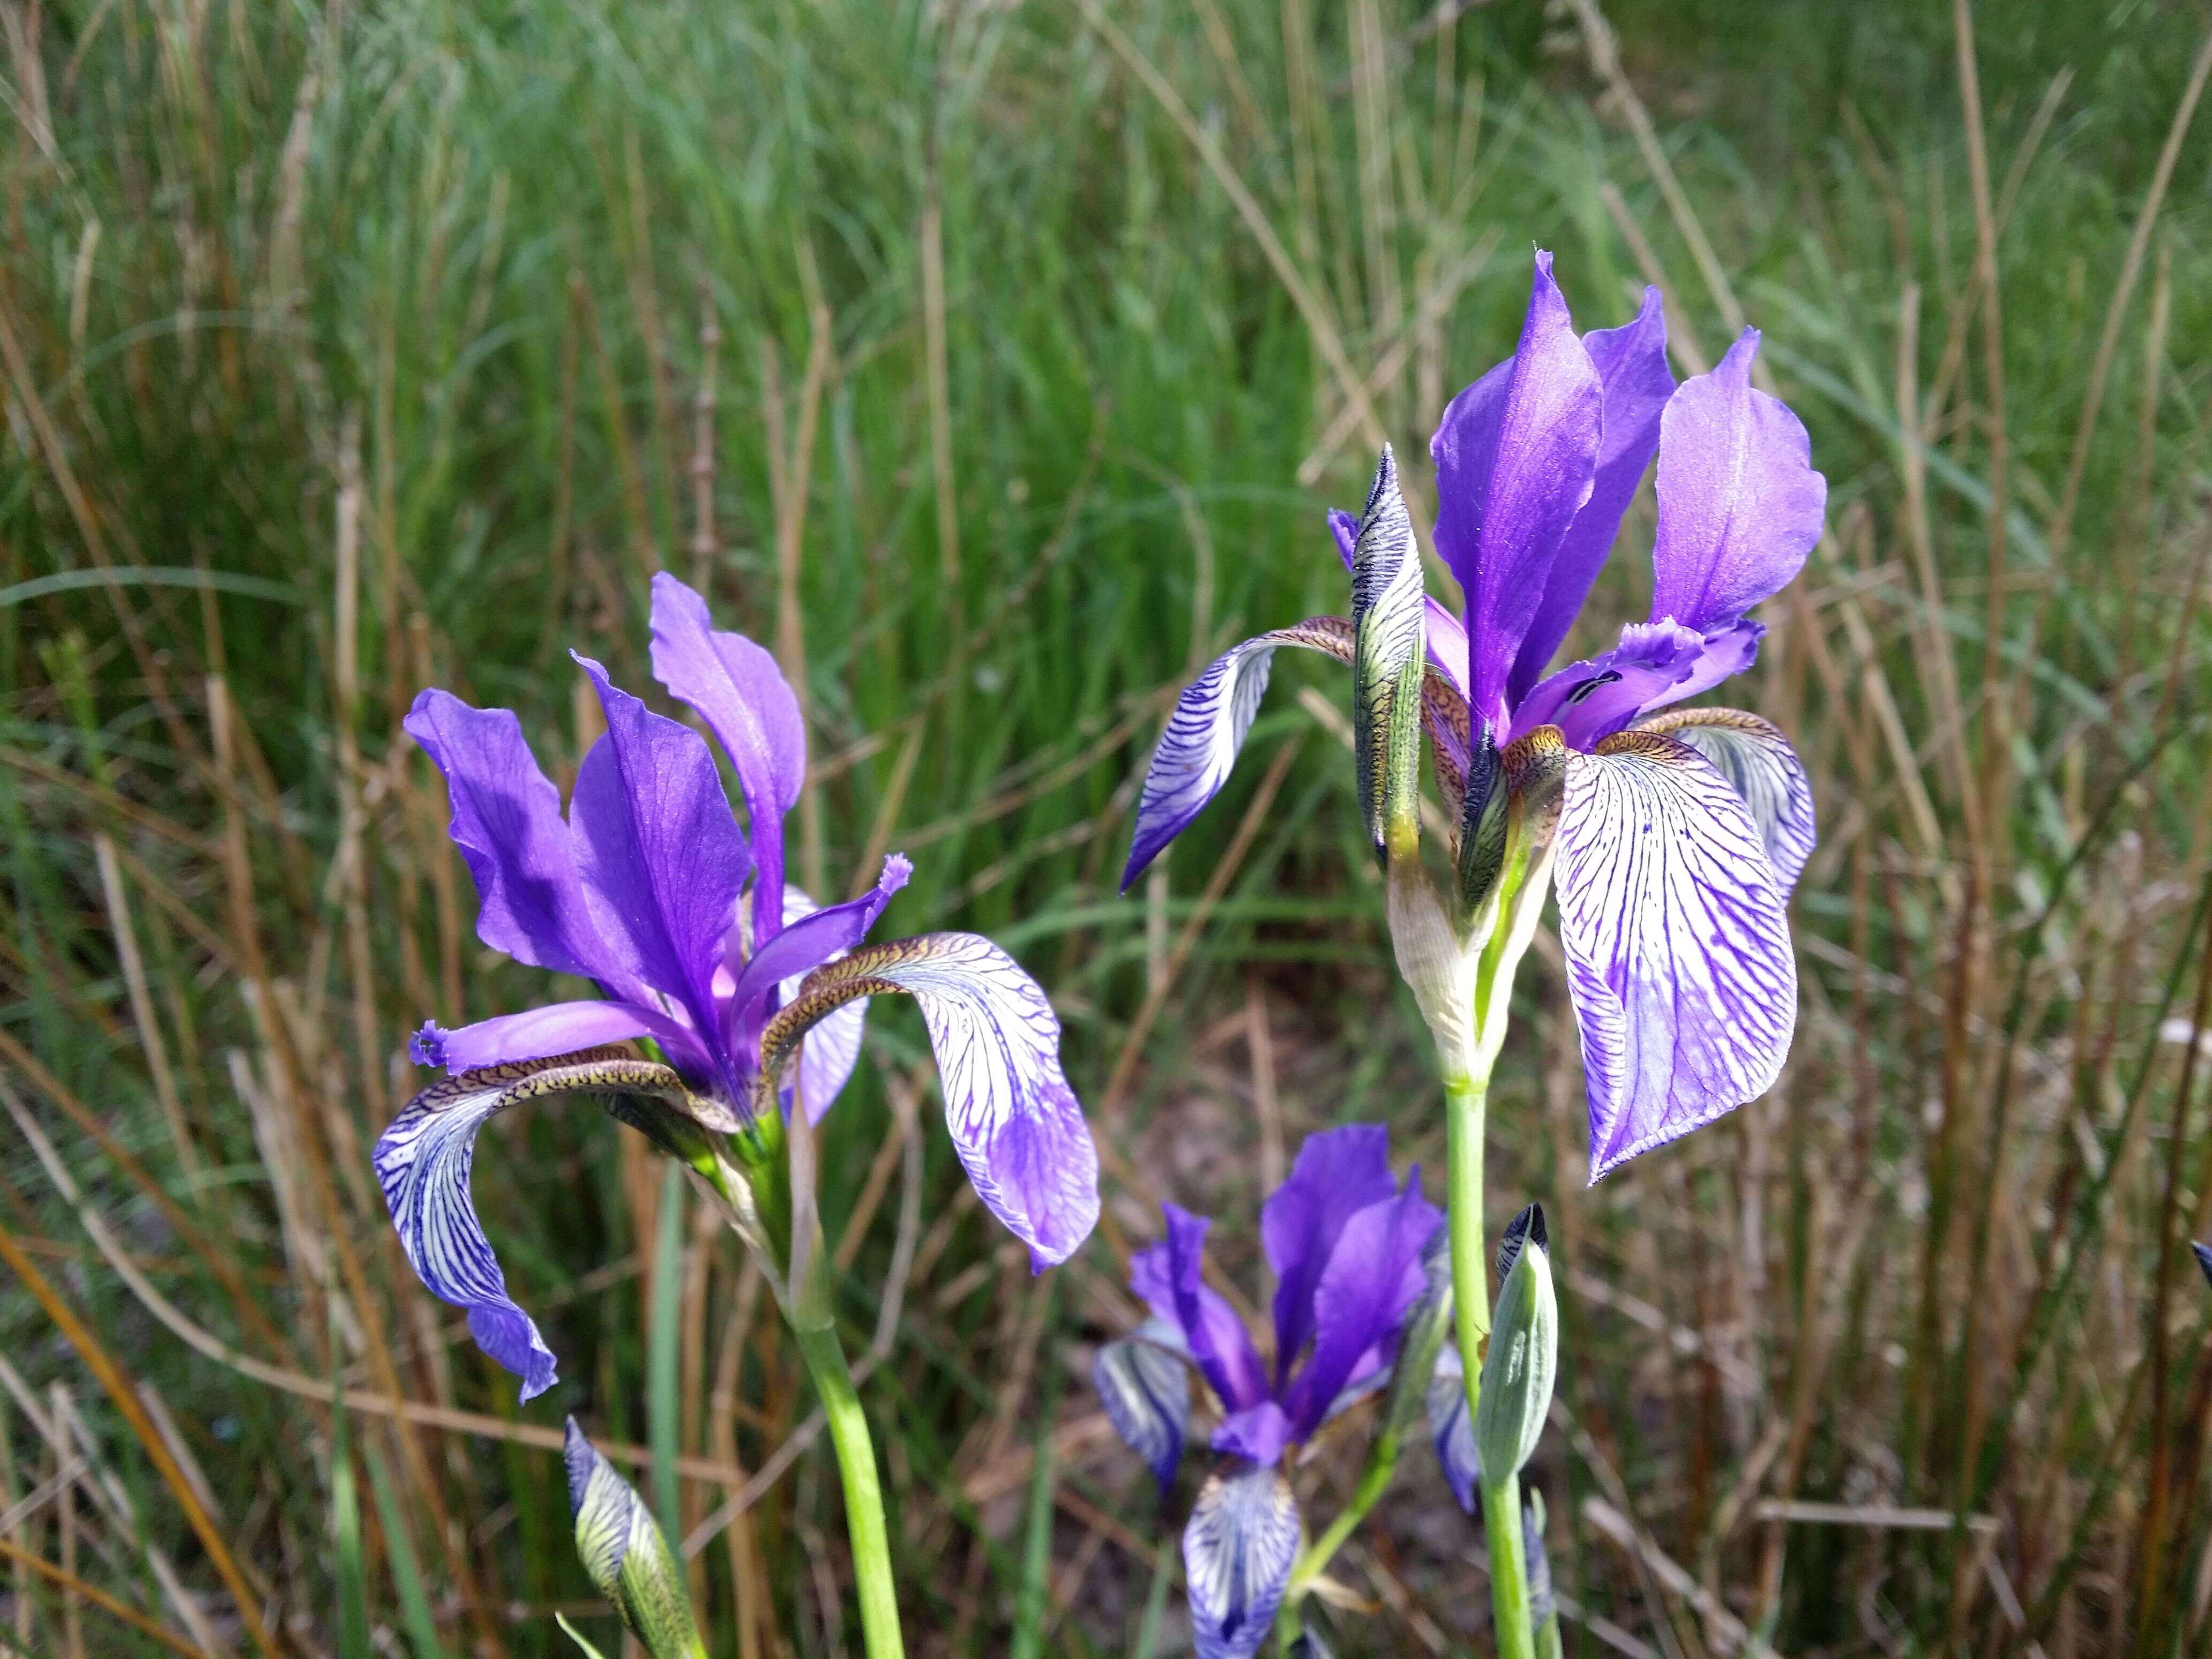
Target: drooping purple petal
x=1237, y=1553
x=422, y=1160
x=808, y=941
x=1446, y=633
x=507, y=820
x=1515, y=456
x=1144, y=1386
x=1338, y=1173
x=1207, y=728
x=737, y=689
x=1017, y=1126
x=1740, y=505
x=1373, y=1278
x=1451, y=1428
x=1759, y=764
x=1257, y=1434
x=1631, y=368
x=1677, y=943
x=1171, y=1282
x=560, y=1028
x=1170, y=1277
x=663, y=860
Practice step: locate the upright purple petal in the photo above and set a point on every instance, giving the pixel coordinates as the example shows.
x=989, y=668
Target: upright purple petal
x=1338, y=1173
x=1516, y=454
x=1759, y=764
x=663, y=860
x=1631, y=368
x=560, y=1028
x=1677, y=944
x=507, y=820
x=1170, y=1277
x=1446, y=633
x=1017, y=1126
x=1237, y=1553
x=1373, y=1279
x=1740, y=505
x=737, y=689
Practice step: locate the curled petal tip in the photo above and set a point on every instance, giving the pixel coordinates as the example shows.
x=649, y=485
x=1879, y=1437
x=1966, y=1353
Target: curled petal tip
x=428, y=1046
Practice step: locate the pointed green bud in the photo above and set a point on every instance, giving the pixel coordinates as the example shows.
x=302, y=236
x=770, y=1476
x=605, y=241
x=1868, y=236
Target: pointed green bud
x=627, y=1556
x=1388, y=662
x=1524, y=1355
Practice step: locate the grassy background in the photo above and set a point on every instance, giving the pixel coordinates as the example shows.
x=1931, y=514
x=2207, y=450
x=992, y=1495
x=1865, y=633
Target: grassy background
x=996, y=366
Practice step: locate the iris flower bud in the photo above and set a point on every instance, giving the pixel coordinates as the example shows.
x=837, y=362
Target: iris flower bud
x=1524, y=1353
x=627, y=1556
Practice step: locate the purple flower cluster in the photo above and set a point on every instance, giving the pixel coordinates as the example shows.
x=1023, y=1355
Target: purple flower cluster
x=650, y=889
x=1680, y=831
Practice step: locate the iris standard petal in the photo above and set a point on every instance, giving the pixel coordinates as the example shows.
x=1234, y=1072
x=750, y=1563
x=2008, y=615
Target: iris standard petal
x=558, y=1028
x=1237, y=1553
x=737, y=689
x=1143, y=1383
x=1373, y=1279
x=1445, y=634
x=1631, y=369
x=421, y=1162
x=663, y=860
x=1451, y=1427
x=507, y=820
x=1740, y=505
x=1677, y=943
x=1338, y=1173
x=1516, y=454
x=1169, y=1278
x=1017, y=1126
x=1759, y=764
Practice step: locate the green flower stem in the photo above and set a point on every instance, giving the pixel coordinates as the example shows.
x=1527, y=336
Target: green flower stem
x=863, y=1493
x=1509, y=1569
x=1313, y=1559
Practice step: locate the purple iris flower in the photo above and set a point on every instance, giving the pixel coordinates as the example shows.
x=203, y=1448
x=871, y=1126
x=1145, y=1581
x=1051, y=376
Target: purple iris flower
x=650, y=889
x=1680, y=831
x=1346, y=1242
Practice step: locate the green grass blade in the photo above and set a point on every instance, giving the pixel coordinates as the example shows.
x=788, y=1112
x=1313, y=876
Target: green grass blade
x=345, y=1528
x=406, y=1571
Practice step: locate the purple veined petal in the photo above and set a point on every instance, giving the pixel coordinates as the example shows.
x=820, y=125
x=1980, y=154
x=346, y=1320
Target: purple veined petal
x=1724, y=654
x=807, y=940
x=1143, y=1383
x=1760, y=766
x=1257, y=1434
x=737, y=689
x=1170, y=1279
x=507, y=820
x=1516, y=455
x=1631, y=368
x=1451, y=1428
x=1373, y=1279
x=1338, y=1173
x=663, y=860
x=1740, y=505
x=1677, y=942
x=1017, y=1126
x=1446, y=633
x=421, y=1162
x=1599, y=695
x=1237, y=1553
x=558, y=1028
